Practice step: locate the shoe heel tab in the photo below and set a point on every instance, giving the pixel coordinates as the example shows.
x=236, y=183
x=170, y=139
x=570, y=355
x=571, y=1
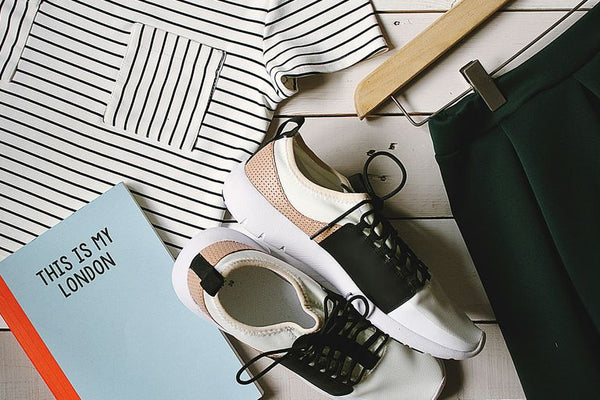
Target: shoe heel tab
x=210, y=279
x=281, y=132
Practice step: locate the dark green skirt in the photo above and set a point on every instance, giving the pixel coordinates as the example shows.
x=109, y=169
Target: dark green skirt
x=524, y=186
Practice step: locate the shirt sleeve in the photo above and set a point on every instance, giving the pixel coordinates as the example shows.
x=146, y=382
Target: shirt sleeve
x=303, y=37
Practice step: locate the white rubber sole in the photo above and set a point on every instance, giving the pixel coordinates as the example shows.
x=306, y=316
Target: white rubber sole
x=257, y=215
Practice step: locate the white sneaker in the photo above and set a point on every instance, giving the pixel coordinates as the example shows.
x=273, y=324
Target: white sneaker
x=264, y=302
x=296, y=203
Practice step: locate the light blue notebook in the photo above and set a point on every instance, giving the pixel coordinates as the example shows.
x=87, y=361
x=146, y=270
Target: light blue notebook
x=97, y=289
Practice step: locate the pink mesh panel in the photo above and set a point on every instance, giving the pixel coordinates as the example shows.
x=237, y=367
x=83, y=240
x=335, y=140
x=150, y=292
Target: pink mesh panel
x=262, y=172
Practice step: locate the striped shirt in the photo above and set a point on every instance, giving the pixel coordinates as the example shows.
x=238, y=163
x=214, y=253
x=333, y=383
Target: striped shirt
x=164, y=95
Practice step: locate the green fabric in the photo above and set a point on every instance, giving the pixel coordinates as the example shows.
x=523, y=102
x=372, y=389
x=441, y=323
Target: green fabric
x=524, y=186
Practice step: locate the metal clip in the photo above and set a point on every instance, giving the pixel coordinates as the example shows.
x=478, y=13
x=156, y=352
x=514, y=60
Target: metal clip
x=496, y=99
x=483, y=84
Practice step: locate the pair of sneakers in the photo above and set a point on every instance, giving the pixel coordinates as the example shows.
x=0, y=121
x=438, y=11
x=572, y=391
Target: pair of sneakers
x=303, y=210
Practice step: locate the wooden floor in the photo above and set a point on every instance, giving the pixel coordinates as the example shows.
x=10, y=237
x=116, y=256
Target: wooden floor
x=420, y=212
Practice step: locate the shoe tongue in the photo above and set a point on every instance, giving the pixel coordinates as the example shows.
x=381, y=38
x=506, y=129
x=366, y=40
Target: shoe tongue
x=357, y=182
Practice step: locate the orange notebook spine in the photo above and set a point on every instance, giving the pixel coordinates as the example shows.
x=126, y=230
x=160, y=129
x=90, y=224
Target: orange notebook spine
x=34, y=346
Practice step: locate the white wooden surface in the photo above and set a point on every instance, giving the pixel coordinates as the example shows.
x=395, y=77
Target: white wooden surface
x=420, y=212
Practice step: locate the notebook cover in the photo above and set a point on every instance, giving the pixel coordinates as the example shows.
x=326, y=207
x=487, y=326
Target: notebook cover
x=92, y=304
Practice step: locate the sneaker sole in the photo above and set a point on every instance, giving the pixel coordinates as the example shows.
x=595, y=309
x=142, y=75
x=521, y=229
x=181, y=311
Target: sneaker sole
x=269, y=225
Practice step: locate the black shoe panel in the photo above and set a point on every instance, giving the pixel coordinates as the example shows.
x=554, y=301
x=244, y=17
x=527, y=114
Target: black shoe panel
x=373, y=272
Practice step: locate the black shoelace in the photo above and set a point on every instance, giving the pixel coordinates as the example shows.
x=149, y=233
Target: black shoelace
x=344, y=348
x=381, y=233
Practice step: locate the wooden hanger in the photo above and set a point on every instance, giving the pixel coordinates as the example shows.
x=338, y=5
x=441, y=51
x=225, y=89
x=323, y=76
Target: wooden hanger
x=421, y=52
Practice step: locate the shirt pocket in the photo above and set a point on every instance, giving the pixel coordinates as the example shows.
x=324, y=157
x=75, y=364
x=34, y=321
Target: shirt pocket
x=63, y=54
x=164, y=87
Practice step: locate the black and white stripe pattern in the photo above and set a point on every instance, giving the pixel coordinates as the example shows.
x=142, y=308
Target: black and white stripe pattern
x=15, y=18
x=304, y=37
x=166, y=96
x=71, y=59
x=163, y=90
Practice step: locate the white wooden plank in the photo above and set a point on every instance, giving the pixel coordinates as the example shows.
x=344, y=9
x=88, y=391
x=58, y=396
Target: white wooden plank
x=19, y=380
x=489, y=375
x=496, y=41
x=344, y=143
x=442, y=5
